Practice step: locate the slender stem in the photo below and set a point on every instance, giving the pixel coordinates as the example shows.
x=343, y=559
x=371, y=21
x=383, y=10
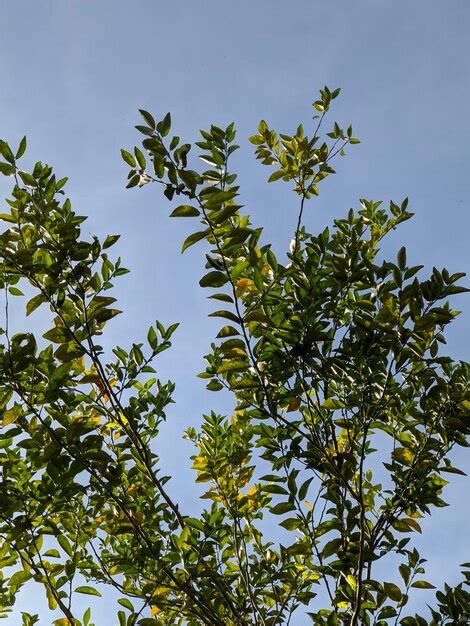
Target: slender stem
x=362, y=523
x=299, y=224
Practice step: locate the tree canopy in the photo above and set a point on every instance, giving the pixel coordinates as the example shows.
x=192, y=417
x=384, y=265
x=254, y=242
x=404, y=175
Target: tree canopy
x=346, y=408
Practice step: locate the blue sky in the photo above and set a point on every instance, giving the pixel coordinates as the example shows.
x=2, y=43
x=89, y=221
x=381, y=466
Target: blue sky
x=74, y=73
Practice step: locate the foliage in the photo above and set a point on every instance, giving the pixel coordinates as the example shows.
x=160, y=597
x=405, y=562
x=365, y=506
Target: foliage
x=345, y=410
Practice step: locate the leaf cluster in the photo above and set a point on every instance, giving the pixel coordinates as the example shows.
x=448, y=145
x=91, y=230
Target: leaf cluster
x=346, y=408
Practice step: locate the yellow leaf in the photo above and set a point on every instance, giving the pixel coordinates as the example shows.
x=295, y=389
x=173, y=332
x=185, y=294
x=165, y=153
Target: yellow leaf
x=200, y=463
x=293, y=405
x=235, y=353
x=11, y=415
x=160, y=591
x=389, y=311
x=154, y=610
x=137, y=517
x=104, y=386
x=90, y=376
x=51, y=601
x=244, y=284
x=352, y=582
x=95, y=419
x=412, y=524
x=78, y=365
x=404, y=455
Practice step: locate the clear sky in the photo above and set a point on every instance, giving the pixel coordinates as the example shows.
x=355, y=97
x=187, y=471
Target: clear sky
x=74, y=72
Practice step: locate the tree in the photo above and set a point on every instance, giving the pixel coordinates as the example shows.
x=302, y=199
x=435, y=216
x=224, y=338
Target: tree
x=332, y=356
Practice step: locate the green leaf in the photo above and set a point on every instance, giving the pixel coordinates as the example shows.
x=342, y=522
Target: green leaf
x=256, y=316
x=104, y=315
x=223, y=297
x=165, y=125
x=152, y=337
x=227, y=331
x=194, y=238
x=28, y=180
x=145, y=130
x=291, y=523
x=14, y=291
x=193, y=522
x=214, y=385
x=412, y=524
x=233, y=366
x=7, y=169
x=452, y=470
x=6, y=153
x=218, y=217
x=213, y=279
x=8, y=217
x=19, y=578
x=227, y=315
x=33, y=304
x=230, y=344
x=11, y=415
x=393, y=591
x=189, y=178
x=140, y=158
x=21, y=148
x=387, y=611
x=276, y=175
x=276, y=489
x=110, y=241
x=89, y=591
x=51, y=600
x=282, y=507
x=332, y=404
x=331, y=547
x=405, y=572
x=422, y=584
x=64, y=543
x=185, y=210
x=133, y=181
x=58, y=335
x=257, y=140
x=68, y=352
x=122, y=618
x=128, y=158
x=148, y=117
x=126, y=603
x=52, y=554
x=304, y=489
x=401, y=257
x=216, y=199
